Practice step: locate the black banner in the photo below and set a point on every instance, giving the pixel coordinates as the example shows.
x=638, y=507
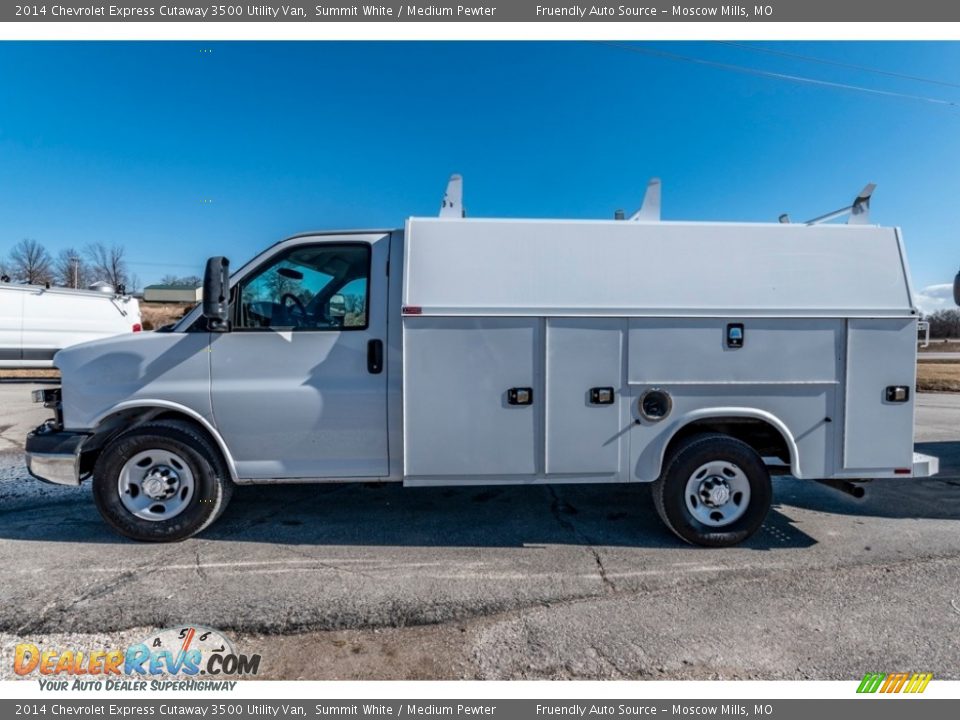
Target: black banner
x=876, y=709
x=491, y=11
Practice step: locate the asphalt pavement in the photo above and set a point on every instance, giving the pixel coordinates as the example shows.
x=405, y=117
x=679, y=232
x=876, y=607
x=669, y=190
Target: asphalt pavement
x=371, y=580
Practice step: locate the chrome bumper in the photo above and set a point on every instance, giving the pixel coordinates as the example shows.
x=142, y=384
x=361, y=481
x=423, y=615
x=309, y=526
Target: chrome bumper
x=54, y=456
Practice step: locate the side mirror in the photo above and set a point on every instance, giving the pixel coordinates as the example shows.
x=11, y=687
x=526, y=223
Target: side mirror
x=338, y=306
x=216, y=294
x=956, y=289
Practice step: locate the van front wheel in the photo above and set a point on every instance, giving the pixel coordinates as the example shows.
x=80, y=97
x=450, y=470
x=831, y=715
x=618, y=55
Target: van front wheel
x=714, y=491
x=160, y=482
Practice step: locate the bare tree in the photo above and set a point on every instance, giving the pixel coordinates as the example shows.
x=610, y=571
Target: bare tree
x=108, y=263
x=70, y=270
x=30, y=263
x=945, y=323
x=187, y=281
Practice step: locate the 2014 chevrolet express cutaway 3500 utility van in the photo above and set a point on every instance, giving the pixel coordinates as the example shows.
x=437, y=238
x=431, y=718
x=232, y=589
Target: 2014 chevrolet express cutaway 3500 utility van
x=700, y=357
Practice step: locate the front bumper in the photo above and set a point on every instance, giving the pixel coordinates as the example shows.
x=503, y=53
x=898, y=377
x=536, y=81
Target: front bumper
x=54, y=455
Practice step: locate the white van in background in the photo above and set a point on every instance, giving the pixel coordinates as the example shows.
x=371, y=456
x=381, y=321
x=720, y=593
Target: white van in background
x=36, y=321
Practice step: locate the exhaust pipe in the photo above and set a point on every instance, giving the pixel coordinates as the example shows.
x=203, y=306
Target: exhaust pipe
x=845, y=486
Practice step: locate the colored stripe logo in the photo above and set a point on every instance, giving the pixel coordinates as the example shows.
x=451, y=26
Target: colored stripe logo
x=894, y=682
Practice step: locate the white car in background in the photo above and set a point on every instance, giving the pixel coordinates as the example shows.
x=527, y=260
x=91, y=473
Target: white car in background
x=37, y=321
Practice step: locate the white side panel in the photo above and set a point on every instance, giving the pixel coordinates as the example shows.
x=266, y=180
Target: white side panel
x=668, y=350
x=788, y=369
x=879, y=434
x=53, y=320
x=803, y=409
x=457, y=372
x=583, y=437
x=35, y=321
x=11, y=326
x=563, y=268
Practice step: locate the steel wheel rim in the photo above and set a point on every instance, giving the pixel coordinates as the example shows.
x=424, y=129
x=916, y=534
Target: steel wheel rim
x=717, y=493
x=156, y=485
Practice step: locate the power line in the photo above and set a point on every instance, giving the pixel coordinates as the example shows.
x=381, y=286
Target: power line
x=778, y=76
x=837, y=63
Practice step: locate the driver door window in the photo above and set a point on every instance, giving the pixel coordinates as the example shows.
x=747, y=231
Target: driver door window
x=311, y=287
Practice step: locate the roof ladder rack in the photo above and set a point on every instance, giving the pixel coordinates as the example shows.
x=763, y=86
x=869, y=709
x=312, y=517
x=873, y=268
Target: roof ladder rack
x=858, y=212
x=650, y=209
x=452, y=203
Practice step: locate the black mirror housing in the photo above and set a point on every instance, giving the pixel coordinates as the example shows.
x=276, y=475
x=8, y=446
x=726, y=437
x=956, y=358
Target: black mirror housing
x=956, y=289
x=216, y=294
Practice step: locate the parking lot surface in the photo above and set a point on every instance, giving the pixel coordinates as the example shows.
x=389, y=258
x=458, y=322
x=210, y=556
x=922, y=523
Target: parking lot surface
x=369, y=580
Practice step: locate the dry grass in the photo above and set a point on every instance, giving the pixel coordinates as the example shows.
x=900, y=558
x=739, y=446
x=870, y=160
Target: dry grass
x=31, y=374
x=156, y=315
x=938, y=376
x=941, y=346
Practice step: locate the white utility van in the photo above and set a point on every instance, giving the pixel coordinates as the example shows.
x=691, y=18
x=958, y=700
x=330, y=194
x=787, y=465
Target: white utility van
x=700, y=357
x=37, y=321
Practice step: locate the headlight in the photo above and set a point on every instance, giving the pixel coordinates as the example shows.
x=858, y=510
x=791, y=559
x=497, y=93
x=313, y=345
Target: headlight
x=50, y=397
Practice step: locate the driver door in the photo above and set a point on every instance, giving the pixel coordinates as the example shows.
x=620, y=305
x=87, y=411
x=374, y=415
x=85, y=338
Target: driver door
x=298, y=384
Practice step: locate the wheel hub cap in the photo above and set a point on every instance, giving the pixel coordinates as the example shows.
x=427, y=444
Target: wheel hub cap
x=156, y=485
x=715, y=491
x=161, y=482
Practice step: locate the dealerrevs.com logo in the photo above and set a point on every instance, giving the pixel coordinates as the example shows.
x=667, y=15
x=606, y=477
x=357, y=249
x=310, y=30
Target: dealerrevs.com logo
x=174, y=659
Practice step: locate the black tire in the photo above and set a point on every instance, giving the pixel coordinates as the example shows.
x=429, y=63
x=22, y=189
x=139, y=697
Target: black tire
x=669, y=490
x=212, y=484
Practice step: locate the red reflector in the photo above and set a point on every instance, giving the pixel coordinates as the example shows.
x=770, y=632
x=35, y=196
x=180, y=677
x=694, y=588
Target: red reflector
x=412, y=310
x=902, y=471
x=137, y=327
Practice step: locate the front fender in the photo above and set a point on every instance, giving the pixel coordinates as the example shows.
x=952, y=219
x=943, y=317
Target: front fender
x=99, y=377
x=147, y=408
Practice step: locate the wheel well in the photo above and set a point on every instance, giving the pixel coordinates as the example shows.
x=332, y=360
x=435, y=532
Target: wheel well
x=124, y=420
x=759, y=434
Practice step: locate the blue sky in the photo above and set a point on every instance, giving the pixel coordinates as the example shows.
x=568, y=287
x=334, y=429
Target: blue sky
x=178, y=153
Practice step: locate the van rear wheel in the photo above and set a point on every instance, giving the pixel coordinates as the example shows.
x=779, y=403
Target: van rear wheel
x=714, y=491
x=160, y=482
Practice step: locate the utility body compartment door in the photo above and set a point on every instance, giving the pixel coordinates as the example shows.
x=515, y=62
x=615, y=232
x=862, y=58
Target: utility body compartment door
x=584, y=378
x=878, y=433
x=459, y=415
x=510, y=398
